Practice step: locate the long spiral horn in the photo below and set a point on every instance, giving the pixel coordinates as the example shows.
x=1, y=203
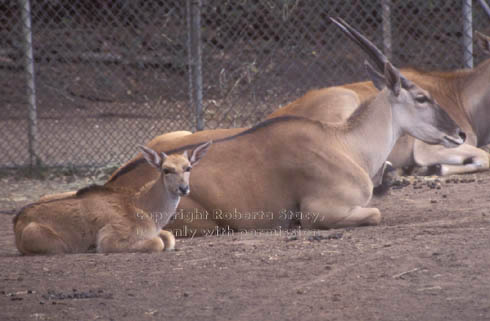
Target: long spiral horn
x=367, y=46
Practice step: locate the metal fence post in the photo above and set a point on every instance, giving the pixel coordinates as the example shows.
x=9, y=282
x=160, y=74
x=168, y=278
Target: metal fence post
x=386, y=12
x=195, y=59
x=25, y=5
x=467, y=34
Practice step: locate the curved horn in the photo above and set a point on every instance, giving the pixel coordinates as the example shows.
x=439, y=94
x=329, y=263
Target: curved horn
x=485, y=7
x=367, y=46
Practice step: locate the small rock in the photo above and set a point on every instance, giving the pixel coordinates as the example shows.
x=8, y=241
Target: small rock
x=434, y=185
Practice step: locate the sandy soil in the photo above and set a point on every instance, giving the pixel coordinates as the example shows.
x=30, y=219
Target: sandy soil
x=428, y=260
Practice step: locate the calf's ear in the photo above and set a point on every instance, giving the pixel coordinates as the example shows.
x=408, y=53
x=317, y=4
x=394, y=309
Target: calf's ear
x=198, y=153
x=152, y=157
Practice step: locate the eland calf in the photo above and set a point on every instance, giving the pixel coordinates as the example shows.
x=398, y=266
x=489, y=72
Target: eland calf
x=108, y=219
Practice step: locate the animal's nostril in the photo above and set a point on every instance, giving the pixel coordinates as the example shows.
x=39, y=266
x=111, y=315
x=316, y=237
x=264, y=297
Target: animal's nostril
x=462, y=135
x=184, y=189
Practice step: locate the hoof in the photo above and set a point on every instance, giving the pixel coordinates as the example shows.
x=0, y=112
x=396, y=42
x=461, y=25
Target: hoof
x=389, y=176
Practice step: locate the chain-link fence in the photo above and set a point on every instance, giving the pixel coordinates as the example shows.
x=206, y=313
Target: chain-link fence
x=83, y=82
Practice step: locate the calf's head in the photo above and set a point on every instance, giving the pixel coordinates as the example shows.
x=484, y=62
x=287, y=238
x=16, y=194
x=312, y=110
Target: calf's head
x=175, y=169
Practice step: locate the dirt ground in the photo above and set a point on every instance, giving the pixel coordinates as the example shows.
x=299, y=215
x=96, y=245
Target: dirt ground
x=428, y=260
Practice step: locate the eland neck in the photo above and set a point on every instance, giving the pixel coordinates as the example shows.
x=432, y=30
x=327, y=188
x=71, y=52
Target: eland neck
x=371, y=132
x=157, y=201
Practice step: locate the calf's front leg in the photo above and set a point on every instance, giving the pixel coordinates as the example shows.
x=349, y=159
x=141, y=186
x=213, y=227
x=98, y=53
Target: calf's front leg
x=168, y=240
x=113, y=240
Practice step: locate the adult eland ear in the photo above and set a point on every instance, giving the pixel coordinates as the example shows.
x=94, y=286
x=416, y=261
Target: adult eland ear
x=199, y=152
x=392, y=78
x=152, y=157
x=377, y=78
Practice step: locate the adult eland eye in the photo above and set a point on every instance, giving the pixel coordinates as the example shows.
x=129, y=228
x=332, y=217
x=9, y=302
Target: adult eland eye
x=166, y=171
x=422, y=99
x=188, y=169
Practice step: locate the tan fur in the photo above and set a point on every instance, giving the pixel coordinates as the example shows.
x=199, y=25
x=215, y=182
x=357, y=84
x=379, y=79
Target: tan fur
x=167, y=137
x=329, y=105
x=107, y=219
